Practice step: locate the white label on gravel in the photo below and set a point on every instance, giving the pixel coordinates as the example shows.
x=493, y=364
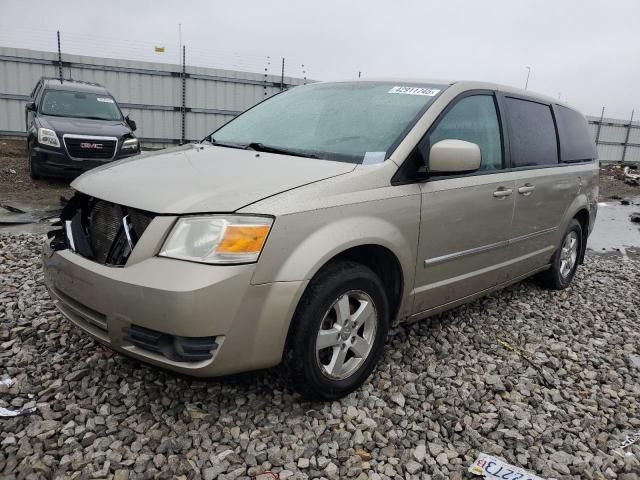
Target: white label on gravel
x=492, y=467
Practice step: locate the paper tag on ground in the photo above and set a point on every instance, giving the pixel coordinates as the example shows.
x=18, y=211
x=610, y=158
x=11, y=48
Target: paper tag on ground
x=5, y=412
x=371, y=158
x=494, y=468
x=104, y=99
x=429, y=92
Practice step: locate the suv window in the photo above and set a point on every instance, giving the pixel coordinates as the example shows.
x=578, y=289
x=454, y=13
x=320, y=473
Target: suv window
x=532, y=133
x=64, y=103
x=473, y=119
x=576, y=143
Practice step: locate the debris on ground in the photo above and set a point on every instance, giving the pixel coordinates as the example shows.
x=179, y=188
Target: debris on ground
x=544, y=375
x=632, y=175
x=630, y=440
x=11, y=208
x=5, y=412
x=635, y=217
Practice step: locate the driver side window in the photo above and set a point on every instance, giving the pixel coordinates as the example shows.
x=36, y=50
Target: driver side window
x=473, y=119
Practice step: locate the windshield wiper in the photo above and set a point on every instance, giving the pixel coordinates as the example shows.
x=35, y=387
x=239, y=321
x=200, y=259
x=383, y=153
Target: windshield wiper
x=261, y=147
x=222, y=144
x=100, y=118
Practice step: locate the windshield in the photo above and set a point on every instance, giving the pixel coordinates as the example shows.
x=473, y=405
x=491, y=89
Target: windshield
x=351, y=122
x=61, y=103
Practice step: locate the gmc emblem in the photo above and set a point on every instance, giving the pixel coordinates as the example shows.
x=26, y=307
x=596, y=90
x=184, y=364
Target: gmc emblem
x=94, y=146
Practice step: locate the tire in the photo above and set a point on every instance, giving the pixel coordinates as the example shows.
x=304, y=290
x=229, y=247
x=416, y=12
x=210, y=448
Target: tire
x=566, y=259
x=346, y=288
x=34, y=170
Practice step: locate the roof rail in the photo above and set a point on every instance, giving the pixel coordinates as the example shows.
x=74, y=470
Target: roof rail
x=84, y=82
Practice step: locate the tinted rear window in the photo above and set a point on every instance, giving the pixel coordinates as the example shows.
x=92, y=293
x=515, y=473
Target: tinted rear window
x=576, y=142
x=532, y=133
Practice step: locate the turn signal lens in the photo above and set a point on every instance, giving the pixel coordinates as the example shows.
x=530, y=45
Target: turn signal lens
x=243, y=239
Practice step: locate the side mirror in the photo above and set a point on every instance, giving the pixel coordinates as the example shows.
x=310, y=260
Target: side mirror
x=454, y=156
x=30, y=107
x=131, y=123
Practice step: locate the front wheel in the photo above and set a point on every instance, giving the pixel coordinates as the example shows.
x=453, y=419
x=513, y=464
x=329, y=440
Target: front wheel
x=34, y=170
x=566, y=259
x=338, y=331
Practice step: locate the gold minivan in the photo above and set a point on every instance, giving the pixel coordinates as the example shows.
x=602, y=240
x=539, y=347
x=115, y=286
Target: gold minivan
x=297, y=232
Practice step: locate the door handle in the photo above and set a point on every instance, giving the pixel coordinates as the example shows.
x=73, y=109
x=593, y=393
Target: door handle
x=502, y=192
x=526, y=189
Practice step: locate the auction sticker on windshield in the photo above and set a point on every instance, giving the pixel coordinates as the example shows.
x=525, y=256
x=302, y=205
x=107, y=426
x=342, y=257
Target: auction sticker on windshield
x=494, y=468
x=104, y=99
x=429, y=92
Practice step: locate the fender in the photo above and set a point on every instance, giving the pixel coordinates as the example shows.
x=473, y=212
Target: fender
x=302, y=243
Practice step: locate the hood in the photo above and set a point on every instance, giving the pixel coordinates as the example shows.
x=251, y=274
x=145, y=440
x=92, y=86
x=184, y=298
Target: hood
x=84, y=126
x=202, y=178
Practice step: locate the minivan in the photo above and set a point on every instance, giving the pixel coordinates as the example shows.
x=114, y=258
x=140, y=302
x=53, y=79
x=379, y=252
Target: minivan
x=301, y=229
x=73, y=126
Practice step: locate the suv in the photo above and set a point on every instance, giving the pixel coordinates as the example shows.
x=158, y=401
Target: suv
x=74, y=126
x=300, y=230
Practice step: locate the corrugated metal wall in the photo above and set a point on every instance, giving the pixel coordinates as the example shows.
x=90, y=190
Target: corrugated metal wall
x=150, y=92
x=617, y=140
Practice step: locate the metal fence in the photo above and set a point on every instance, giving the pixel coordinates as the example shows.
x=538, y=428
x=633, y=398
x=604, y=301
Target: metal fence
x=167, y=103
x=617, y=140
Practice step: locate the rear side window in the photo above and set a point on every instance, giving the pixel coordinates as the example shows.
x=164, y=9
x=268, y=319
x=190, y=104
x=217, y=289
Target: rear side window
x=576, y=143
x=532, y=133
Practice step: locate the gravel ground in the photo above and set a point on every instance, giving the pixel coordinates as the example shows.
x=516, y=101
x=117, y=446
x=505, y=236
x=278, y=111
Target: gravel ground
x=445, y=391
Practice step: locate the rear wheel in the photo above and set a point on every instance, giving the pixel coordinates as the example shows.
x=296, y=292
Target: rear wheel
x=566, y=259
x=338, y=331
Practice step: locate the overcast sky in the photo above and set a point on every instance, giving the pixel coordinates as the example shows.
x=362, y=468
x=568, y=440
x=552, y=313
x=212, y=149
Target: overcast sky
x=586, y=51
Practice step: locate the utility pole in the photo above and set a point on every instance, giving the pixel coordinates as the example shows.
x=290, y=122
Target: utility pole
x=266, y=70
x=282, y=76
x=359, y=74
x=526, y=84
x=59, y=58
x=183, y=109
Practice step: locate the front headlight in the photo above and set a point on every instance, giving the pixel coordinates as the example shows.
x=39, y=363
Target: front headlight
x=48, y=137
x=217, y=239
x=130, y=144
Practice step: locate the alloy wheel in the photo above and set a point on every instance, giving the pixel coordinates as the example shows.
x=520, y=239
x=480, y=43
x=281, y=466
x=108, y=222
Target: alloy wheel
x=568, y=253
x=347, y=334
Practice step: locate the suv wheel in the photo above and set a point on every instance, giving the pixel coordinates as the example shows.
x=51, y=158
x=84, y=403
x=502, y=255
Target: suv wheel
x=338, y=331
x=566, y=259
x=34, y=171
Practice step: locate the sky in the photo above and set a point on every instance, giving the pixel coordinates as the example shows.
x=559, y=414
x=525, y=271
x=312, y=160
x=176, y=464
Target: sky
x=585, y=52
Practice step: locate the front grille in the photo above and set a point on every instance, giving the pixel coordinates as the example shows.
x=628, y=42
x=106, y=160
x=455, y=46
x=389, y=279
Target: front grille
x=101, y=231
x=90, y=148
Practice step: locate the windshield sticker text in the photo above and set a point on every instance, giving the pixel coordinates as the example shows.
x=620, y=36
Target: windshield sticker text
x=429, y=92
x=104, y=99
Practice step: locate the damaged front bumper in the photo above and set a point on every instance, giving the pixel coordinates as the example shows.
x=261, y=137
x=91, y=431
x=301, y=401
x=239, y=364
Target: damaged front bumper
x=193, y=318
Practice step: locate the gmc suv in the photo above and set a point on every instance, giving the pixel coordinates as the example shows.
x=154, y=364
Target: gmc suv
x=74, y=126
